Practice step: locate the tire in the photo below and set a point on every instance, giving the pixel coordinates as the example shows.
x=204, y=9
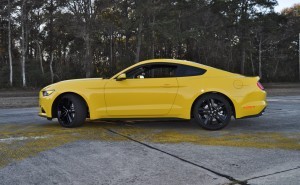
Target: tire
x=71, y=111
x=212, y=112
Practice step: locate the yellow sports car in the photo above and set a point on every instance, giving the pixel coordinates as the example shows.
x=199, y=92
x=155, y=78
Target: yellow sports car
x=160, y=88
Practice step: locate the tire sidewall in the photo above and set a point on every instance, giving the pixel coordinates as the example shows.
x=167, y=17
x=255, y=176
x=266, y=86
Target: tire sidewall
x=80, y=111
x=200, y=122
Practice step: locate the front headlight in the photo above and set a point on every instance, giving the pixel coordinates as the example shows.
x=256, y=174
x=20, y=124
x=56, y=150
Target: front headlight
x=47, y=92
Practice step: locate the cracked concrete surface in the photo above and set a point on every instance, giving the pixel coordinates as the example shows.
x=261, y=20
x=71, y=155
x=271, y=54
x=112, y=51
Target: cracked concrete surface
x=263, y=150
x=90, y=162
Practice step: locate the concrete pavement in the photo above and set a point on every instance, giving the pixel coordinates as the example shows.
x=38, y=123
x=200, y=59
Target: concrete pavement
x=264, y=150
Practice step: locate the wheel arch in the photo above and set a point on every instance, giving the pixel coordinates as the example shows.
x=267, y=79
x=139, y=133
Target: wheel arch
x=218, y=93
x=55, y=103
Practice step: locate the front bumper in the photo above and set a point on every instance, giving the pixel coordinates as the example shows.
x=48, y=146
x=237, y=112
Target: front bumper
x=45, y=105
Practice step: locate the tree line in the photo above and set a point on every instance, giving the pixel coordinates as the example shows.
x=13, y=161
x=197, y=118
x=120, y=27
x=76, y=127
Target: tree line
x=47, y=41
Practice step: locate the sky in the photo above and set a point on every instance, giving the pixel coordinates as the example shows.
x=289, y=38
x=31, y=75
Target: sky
x=285, y=4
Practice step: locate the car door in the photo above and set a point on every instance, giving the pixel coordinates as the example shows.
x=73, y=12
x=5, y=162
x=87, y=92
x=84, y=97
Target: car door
x=148, y=91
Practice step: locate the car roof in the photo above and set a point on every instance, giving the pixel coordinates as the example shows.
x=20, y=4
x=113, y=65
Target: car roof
x=212, y=70
x=174, y=61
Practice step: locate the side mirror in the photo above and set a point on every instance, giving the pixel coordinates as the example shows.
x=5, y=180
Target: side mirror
x=121, y=77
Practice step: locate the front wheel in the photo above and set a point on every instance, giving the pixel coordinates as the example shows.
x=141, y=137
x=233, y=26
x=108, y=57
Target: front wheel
x=71, y=111
x=212, y=112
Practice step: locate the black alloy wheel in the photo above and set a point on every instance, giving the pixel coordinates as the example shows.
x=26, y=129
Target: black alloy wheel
x=212, y=112
x=71, y=111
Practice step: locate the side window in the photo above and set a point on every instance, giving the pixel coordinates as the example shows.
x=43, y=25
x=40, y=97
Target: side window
x=160, y=71
x=152, y=71
x=184, y=70
x=135, y=73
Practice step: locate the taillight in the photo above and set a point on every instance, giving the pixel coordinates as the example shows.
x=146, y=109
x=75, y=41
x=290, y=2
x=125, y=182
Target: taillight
x=260, y=86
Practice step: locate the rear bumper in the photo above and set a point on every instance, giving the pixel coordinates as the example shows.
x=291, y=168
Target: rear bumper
x=255, y=115
x=251, y=105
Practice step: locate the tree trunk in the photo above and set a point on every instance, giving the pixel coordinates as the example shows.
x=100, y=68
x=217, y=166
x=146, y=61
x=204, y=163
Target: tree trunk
x=87, y=39
x=276, y=68
x=259, y=57
x=252, y=64
x=88, y=58
x=9, y=46
x=51, y=40
x=23, y=58
x=299, y=54
x=139, y=41
x=40, y=55
x=153, y=38
x=230, y=61
x=23, y=43
x=243, y=59
x=244, y=19
x=51, y=68
x=111, y=51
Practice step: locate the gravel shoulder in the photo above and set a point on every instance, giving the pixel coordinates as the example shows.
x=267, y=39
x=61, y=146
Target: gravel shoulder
x=18, y=102
x=17, y=98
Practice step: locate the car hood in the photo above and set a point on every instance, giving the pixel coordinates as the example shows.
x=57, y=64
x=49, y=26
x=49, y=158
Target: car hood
x=77, y=84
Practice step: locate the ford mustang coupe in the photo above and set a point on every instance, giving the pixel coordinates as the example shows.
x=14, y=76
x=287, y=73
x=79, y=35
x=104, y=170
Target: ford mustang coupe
x=160, y=88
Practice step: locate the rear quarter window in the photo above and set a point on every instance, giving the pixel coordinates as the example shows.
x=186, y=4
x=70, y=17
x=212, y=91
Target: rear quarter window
x=184, y=70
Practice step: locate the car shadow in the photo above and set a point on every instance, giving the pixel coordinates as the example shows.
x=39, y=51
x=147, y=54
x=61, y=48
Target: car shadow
x=251, y=124
x=260, y=124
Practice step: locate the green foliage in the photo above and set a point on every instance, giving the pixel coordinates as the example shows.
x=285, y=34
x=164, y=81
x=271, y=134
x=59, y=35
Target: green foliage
x=99, y=38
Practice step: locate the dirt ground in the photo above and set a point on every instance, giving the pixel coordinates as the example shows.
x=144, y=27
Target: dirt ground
x=29, y=98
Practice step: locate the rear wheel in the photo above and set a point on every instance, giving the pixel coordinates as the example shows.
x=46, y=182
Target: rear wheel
x=71, y=111
x=212, y=112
